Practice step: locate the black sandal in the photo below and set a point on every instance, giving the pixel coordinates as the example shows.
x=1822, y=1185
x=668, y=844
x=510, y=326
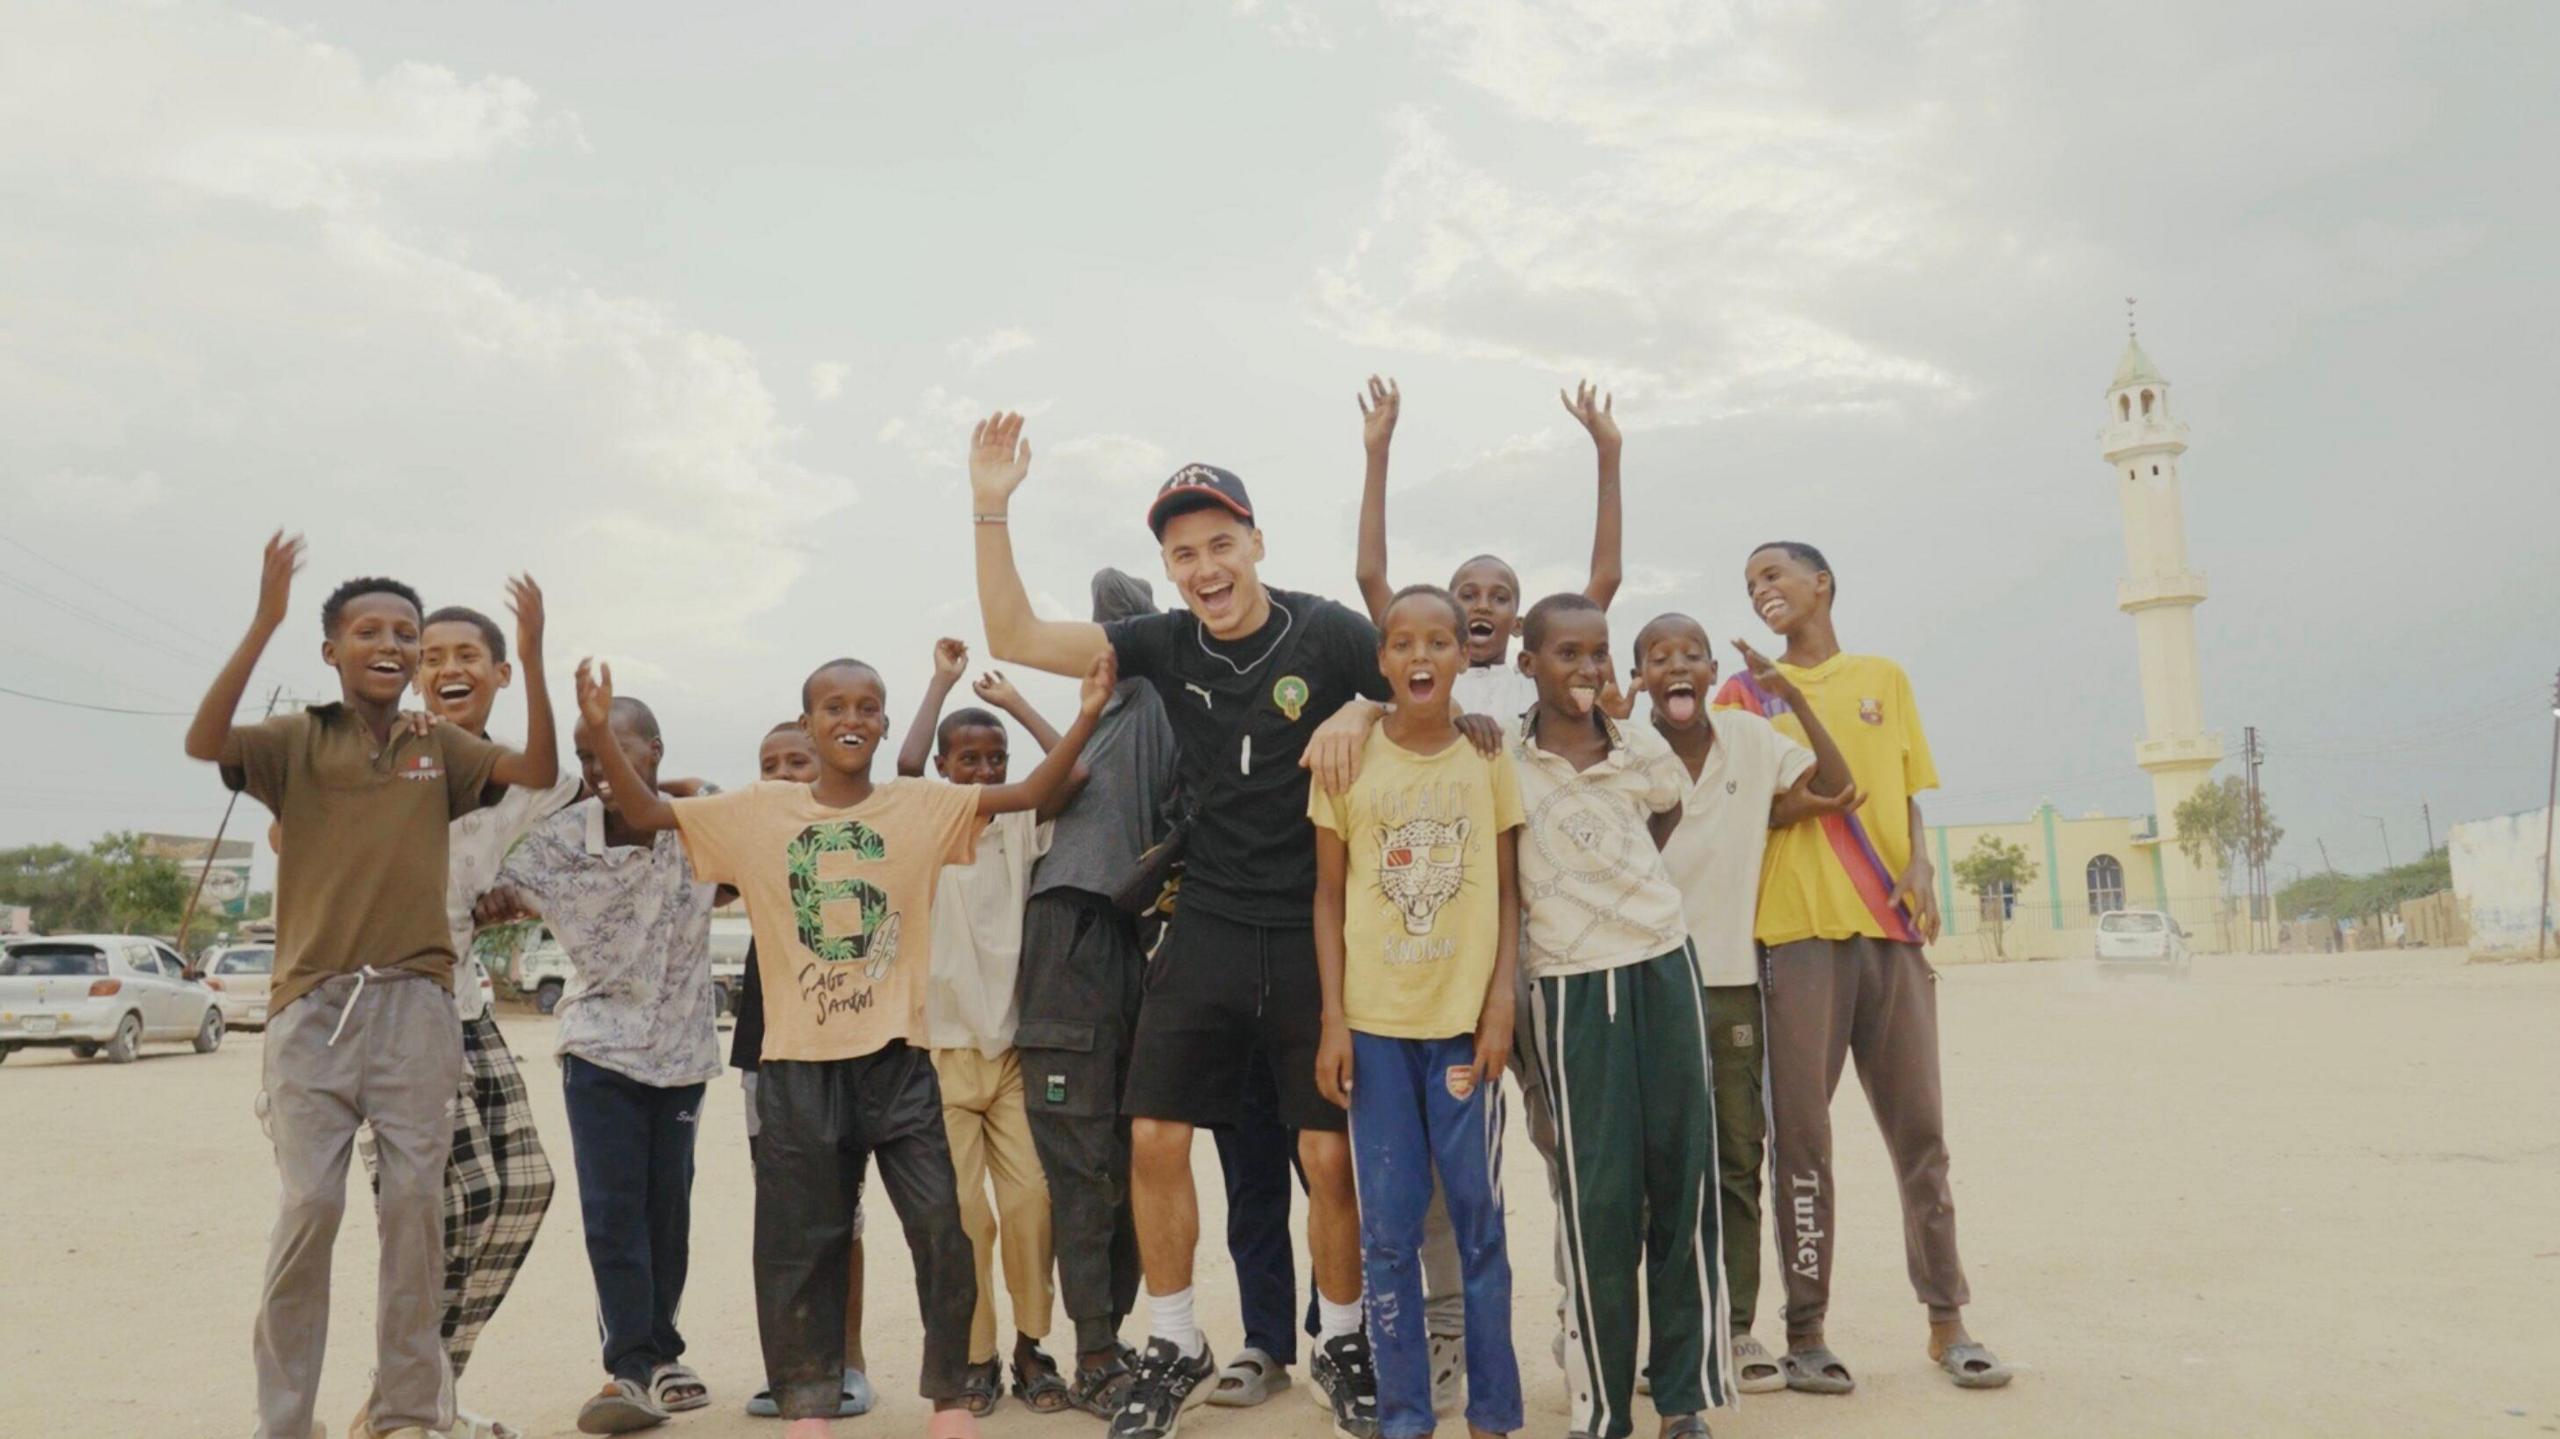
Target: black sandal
x=1037, y=1384
x=982, y=1387
x=1101, y=1391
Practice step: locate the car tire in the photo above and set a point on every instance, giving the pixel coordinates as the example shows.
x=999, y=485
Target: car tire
x=546, y=996
x=5, y=1051
x=126, y=1047
x=209, y=1033
x=719, y=1000
x=84, y=1051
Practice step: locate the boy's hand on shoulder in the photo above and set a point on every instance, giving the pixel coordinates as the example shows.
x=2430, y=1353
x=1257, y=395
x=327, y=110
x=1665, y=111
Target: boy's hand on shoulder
x=1099, y=682
x=1333, y=1063
x=950, y=660
x=1591, y=409
x=525, y=598
x=1493, y=1039
x=1333, y=751
x=595, y=697
x=999, y=458
x=1767, y=675
x=1482, y=731
x=1378, y=411
x=420, y=723
x=275, y=578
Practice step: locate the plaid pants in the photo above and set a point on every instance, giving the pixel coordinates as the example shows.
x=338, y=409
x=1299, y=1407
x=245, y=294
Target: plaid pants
x=497, y=1186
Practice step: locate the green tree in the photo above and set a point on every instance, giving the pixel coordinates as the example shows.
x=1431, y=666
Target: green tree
x=60, y=884
x=2365, y=896
x=143, y=894
x=1996, y=870
x=2214, y=823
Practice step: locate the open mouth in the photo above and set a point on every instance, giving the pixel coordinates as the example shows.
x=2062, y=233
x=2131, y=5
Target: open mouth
x=1480, y=631
x=1680, y=701
x=851, y=742
x=454, y=692
x=389, y=667
x=1215, y=597
x=1584, y=697
x=1422, y=684
x=1771, y=608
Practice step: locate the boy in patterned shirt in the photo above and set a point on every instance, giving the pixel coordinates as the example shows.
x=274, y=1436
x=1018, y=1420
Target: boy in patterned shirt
x=839, y=876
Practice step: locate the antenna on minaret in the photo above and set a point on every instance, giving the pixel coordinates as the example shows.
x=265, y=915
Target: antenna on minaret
x=2128, y=319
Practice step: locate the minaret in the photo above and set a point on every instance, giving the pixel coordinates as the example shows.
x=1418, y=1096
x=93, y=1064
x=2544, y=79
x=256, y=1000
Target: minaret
x=2142, y=444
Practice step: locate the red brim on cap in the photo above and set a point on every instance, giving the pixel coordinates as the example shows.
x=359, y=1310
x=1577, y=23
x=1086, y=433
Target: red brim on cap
x=1196, y=492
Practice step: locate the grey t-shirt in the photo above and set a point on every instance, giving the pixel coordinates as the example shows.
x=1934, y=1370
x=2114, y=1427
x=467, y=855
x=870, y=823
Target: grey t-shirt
x=1121, y=810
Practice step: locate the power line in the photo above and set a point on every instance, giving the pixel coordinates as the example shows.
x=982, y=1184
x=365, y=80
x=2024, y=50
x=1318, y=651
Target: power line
x=93, y=582
x=71, y=607
x=109, y=709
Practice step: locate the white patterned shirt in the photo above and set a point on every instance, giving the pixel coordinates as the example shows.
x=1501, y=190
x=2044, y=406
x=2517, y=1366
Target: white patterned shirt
x=474, y=848
x=637, y=928
x=1590, y=875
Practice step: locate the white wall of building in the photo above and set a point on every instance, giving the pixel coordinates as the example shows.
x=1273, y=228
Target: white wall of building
x=2497, y=878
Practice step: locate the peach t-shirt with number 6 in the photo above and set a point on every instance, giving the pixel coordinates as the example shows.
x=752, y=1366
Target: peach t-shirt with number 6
x=841, y=901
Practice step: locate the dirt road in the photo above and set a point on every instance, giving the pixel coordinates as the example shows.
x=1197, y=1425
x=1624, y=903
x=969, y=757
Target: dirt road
x=2295, y=1195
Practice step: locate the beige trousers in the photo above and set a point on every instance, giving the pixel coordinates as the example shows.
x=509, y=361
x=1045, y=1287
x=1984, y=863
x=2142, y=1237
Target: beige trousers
x=991, y=1139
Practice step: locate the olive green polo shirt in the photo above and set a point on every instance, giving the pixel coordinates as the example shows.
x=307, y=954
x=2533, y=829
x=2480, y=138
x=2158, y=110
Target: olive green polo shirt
x=360, y=879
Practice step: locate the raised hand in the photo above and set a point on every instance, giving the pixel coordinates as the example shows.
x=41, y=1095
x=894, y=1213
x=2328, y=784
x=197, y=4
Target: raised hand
x=1615, y=701
x=275, y=578
x=1768, y=676
x=524, y=597
x=595, y=696
x=950, y=660
x=1378, y=411
x=998, y=459
x=1099, y=682
x=1590, y=409
x=993, y=688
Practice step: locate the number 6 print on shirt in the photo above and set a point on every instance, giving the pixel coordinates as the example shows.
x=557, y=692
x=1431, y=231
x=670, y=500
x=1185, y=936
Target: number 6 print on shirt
x=876, y=947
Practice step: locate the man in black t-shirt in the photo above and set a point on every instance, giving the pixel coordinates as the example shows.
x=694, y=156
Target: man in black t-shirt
x=1247, y=673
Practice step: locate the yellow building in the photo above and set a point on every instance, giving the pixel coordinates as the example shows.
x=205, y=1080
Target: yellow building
x=2089, y=865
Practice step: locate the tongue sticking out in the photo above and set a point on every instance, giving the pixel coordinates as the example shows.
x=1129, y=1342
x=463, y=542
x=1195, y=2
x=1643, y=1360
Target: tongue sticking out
x=1681, y=708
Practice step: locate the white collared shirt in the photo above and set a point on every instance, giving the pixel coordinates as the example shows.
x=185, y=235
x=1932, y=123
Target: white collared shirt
x=1715, y=854
x=474, y=848
x=977, y=937
x=1597, y=894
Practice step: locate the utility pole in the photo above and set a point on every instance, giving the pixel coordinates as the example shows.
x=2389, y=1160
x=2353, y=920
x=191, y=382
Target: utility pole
x=2324, y=856
x=204, y=871
x=2427, y=812
x=2250, y=755
x=2387, y=861
x=2550, y=799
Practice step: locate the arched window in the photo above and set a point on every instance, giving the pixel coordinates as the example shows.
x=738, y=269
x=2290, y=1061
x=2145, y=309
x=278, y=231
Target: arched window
x=2106, y=884
x=2124, y=407
x=2146, y=402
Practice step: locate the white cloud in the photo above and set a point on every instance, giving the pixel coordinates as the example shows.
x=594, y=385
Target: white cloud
x=826, y=379
x=1293, y=25
x=979, y=350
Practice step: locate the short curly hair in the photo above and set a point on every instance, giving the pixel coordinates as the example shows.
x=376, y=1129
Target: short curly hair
x=334, y=608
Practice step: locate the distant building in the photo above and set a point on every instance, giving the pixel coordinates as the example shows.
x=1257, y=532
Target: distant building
x=17, y=919
x=226, y=880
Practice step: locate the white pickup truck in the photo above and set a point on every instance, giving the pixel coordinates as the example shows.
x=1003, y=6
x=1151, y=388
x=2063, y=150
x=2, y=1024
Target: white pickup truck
x=546, y=972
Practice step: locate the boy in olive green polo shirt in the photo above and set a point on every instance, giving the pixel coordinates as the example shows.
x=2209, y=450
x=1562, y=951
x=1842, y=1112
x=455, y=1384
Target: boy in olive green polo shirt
x=362, y=1028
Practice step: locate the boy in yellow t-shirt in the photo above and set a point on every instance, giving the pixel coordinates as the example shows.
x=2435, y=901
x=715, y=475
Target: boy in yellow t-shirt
x=1417, y=936
x=1846, y=901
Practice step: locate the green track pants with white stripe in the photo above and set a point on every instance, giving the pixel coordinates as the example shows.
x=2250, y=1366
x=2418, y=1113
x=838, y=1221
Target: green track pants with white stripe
x=1624, y=1058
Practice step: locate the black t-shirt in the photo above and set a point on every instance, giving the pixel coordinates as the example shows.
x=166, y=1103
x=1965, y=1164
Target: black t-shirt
x=746, y=1042
x=1242, y=712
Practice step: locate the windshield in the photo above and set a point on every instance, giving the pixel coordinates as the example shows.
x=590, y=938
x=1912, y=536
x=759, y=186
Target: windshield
x=2131, y=924
x=52, y=961
x=246, y=961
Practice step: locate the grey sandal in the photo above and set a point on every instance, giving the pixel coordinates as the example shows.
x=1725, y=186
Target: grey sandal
x=1973, y=1367
x=1816, y=1371
x=1248, y=1379
x=1755, y=1369
x=1685, y=1426
x=620, y=1409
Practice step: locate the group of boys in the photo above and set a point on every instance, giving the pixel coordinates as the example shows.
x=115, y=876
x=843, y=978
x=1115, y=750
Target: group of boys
x=1406, y=865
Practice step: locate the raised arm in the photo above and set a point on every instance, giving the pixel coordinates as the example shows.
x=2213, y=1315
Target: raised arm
x=998, y=459
x=640, y=806
x=993, y=688
x=210, y=730
x=1044, y=784
x=537, y=765
x=1608, y=558
x=950, y=657
x=1378, y=411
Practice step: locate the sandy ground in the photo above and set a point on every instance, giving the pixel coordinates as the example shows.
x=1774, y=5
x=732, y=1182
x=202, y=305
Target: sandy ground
x=2297, y=1195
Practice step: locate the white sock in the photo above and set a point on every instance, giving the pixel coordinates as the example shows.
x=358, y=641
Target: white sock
x=1335, y=1320
x=1169, y=1318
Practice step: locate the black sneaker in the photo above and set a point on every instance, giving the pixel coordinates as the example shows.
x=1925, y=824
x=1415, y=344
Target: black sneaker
x=1348, y=1380
x=1166, y=1385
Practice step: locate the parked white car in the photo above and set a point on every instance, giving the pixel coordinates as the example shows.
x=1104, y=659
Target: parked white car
x=102, y=994
x=238, y=974
x=546, y=972
x=2141, y=939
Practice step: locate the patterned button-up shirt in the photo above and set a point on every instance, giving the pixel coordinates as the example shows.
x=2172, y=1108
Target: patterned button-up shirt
x=637, y=927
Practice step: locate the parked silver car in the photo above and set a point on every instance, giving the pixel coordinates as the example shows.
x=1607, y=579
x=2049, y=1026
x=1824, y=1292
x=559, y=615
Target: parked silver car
x=238, y=974
x=102, y=994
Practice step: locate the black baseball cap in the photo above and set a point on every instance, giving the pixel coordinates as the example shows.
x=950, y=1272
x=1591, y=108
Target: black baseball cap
x=1193, y=486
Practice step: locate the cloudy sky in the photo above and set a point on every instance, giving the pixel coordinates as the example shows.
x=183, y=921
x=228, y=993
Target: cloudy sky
x=688, y=313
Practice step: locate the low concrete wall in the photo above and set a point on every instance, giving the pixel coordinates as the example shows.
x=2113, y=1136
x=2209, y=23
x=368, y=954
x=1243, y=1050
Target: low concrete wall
x=2497, y=878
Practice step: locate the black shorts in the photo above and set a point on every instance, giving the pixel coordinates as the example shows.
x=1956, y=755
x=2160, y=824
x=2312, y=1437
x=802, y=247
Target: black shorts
x=1218, y=993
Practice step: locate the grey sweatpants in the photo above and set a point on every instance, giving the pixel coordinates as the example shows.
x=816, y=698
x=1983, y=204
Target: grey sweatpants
x=1826, y=1000
x=395, y=1065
